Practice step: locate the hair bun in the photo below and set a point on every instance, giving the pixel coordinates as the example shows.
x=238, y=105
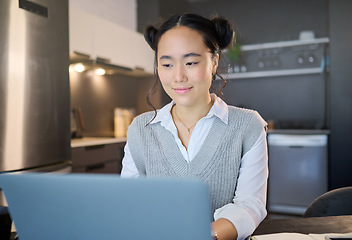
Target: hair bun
x=149, y=35
x=224, y=30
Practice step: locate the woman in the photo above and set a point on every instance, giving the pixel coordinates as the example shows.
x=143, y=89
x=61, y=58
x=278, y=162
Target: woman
x=198, y=134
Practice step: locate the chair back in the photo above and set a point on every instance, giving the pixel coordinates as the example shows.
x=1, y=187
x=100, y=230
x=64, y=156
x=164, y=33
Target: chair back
x=333, y=203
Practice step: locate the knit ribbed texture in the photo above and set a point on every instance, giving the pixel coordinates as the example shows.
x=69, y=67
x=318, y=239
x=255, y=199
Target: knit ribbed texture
x=155, y=152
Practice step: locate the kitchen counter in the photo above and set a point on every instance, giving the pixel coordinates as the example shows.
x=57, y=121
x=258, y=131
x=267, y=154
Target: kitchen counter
x=317, y=225
x=299, y=131
x=91, y=141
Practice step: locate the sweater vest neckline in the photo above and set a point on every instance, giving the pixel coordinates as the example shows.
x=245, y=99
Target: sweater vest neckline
x=175, y=158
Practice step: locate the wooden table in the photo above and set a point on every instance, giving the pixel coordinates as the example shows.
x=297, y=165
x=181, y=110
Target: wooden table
x=319, y=225
x=335, y=224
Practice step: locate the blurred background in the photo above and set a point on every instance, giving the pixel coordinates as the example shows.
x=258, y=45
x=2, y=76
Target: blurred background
x=291, y=63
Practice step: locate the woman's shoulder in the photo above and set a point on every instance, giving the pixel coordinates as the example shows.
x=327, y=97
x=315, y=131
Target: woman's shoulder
x=239, y=111
x=144, y=118
x=239, y=114
x=139, y=124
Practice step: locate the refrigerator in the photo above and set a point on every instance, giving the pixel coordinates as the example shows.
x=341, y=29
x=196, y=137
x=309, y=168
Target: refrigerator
x=34, y=86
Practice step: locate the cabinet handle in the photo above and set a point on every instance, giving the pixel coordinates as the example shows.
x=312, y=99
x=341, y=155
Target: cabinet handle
x=93, y=147
x=95, y=167
x=103, y=63
x=80, y=54
x=33, y=7
x=298, y=146
x=139, y=68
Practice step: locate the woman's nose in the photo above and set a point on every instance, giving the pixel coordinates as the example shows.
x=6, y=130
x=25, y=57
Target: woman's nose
x=180, y=75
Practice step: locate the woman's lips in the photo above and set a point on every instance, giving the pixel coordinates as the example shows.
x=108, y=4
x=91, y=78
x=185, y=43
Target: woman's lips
x=182, y=90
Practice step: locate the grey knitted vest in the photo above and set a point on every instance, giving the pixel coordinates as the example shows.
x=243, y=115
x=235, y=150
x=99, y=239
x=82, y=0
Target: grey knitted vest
x=155, y=152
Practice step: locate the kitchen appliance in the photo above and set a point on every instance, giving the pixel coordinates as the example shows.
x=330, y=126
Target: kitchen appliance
x=34, y=86
x=122, y=119
x=298, y=166
x=287, y=82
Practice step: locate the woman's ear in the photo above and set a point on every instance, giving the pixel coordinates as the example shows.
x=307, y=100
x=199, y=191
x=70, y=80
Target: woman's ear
x=215, y=63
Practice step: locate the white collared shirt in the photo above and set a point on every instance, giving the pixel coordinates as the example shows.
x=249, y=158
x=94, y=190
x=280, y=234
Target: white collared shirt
x=248, y=207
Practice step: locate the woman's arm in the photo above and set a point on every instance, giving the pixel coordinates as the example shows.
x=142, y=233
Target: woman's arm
x=129, y=169
x=248, y=207
x=224, y=229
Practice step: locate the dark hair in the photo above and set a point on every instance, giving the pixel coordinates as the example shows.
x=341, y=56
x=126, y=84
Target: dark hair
x=217, y=33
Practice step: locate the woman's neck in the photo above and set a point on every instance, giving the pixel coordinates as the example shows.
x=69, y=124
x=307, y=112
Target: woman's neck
x=186, y=117
x=192, y=114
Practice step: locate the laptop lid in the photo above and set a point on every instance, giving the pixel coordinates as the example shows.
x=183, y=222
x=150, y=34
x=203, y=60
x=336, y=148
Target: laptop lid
x=94, y=206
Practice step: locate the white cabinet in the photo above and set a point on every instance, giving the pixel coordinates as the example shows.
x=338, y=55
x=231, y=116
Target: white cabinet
x=143, y=54
x=81, y=31
x=113, y=42
x=100, y=38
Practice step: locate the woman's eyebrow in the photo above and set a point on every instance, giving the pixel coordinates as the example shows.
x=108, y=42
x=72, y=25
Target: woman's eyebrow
x=192, y=54
x=165, y=57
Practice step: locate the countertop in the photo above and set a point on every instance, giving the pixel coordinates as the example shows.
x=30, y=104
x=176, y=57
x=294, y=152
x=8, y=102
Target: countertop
x=91, y=141
x=299, y=131
x=318, y=225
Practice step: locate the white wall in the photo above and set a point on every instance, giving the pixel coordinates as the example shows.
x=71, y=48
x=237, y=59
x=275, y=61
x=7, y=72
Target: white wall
x=121, y=12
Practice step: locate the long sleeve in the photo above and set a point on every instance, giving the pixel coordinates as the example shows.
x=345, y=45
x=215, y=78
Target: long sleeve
x=248, y=207
x=129, y=169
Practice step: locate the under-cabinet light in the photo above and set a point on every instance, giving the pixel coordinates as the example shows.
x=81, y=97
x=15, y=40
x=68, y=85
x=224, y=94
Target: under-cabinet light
x=100, y=71
x=79, y=67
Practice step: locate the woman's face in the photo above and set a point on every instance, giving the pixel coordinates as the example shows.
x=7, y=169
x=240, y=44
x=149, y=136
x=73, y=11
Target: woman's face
x=185, y=66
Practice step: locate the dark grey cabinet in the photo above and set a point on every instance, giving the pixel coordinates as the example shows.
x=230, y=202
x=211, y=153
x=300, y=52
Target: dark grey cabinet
x=340, y=165
x=103, y=158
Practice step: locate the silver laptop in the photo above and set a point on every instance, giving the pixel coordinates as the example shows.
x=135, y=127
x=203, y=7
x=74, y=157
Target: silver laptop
x=101, y=207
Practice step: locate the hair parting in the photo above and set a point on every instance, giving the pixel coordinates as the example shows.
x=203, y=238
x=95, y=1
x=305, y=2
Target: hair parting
x=179, y=21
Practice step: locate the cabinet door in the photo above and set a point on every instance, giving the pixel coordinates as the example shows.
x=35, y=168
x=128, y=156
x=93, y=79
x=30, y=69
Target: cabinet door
x=98, y=158
x=113, y=42
x=142, y=53
x=98, y=37
x=112, y=166
x=81, y=31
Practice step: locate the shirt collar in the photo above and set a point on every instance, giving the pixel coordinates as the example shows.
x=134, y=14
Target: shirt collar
x=219, y=109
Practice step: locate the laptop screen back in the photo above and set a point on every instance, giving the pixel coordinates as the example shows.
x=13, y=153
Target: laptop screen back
x=87, y=206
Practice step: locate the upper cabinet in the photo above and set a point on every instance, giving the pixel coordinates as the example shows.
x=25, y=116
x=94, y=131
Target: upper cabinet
x=144, y=55
x=81, y=31
x=115, y=45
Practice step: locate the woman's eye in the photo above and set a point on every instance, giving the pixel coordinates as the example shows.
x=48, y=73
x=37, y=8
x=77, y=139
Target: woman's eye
x=191, y=63
x=167, y=65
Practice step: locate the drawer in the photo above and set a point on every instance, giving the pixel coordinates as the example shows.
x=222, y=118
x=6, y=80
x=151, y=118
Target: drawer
x=90, y=155
x=112, y=166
